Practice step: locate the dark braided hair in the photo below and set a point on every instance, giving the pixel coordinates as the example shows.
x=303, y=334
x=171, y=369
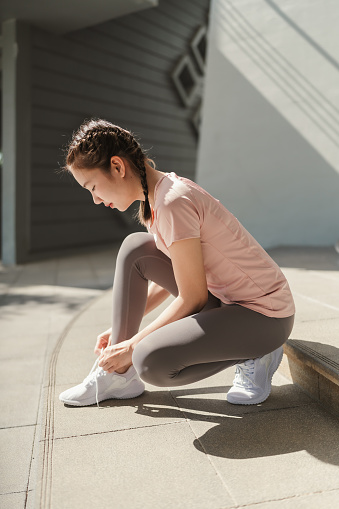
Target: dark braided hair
x=93, y=145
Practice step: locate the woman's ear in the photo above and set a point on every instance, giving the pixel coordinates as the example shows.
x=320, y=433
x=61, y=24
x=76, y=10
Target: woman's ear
x=118, y=166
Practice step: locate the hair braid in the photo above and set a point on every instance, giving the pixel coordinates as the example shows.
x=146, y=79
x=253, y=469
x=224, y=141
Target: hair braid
x=93, y=145
x=145, y=207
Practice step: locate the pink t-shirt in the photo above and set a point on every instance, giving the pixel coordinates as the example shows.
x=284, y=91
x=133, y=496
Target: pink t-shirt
x=238, y=270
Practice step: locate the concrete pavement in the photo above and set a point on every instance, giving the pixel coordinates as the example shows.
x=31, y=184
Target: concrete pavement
x=182, y=447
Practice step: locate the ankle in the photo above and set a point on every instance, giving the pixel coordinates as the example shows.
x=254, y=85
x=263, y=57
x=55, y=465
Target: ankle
x=123, y=370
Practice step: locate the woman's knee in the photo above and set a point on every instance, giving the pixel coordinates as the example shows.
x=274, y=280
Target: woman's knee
x=151, y=366
x=135, y=246
x=135, y=242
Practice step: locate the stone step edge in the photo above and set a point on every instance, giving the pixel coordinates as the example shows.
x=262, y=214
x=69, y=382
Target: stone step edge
x=314, y=373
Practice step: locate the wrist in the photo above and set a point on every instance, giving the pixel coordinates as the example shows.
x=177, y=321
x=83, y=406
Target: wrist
x=134, y=341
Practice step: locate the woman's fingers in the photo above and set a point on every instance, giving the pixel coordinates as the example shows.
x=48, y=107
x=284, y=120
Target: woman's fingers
x=107, y=359
x=101, y=343
x=115, y=357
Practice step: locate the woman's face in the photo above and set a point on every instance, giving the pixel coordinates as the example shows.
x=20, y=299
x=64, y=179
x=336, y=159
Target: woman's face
x=117, y=189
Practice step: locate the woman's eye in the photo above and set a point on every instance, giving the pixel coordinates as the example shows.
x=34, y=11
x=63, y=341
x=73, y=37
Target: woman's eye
x=93, y=188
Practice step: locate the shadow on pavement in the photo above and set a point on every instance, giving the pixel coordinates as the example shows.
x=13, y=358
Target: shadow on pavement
x=243, y=432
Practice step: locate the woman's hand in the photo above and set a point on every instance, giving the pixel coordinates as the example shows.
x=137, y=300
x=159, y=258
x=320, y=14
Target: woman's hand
x=117, y=357
x=103, y=340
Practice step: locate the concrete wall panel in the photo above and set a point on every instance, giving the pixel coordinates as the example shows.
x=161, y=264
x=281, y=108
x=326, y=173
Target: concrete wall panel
x=269, y=145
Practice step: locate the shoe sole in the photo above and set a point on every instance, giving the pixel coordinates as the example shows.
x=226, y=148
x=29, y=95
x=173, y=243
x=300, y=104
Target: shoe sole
x=78, y=403
x=265, y=395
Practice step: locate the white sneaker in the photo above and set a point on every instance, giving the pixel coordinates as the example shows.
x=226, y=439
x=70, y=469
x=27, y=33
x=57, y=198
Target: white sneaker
x=252, y=382
x=100, y=385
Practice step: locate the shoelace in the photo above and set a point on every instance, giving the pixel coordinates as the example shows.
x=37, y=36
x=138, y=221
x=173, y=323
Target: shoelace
x=243, y=374
x=93, y=376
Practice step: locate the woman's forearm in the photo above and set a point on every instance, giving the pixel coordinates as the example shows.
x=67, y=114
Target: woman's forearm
x=156, y=296
x=177, y=309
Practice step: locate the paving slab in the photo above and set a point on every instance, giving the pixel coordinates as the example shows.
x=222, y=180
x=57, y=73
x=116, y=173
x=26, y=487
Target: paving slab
x=313, y=284
x=74, y=365
x=16, y=449
x=22, y=343
x=314, y=288
x=78, y=342
x=21, y=370
x=13, y=501
x=19, y=405
x=34, y=274
x=92, y=270
x=85, y=335
x=273, y=455
x=140, y=469
x=34, y=305
x=308, y=310
x=19, y=325
x=324, y=333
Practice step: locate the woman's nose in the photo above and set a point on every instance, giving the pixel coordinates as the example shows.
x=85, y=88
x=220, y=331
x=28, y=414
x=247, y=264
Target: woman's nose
x=96, y=199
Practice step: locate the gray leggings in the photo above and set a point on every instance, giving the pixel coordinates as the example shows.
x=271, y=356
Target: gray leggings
x=194, y=347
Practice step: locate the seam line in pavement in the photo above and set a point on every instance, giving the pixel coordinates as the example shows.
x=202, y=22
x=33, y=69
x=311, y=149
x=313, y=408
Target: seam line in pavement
x=118, y=430
x=34, y=439
x=13, y=492
x=264, y=410
x=291, y=497
x=319, y=319
x=325, y=276
x=213, y=466
x=203, y=448
x=260, y=411
x=316, y=301
x=19, y=426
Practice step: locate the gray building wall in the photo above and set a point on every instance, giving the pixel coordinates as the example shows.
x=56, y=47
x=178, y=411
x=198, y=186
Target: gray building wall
x=120, y=71
x=269, y=145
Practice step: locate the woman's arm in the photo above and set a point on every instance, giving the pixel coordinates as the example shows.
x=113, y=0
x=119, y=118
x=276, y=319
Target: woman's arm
x=156, y=296
x=189, y=272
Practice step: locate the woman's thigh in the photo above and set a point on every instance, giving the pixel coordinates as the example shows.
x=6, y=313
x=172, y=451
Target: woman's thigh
x=203, y=344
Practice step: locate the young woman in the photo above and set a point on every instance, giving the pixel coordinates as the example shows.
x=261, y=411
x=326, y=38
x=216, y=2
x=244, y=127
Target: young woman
x=232, y=304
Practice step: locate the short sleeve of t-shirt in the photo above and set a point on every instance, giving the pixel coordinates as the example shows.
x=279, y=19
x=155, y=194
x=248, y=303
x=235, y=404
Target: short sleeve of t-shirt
x=178, y=220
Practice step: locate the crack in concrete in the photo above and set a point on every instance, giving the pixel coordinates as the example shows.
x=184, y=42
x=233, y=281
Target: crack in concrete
x=118, y=430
